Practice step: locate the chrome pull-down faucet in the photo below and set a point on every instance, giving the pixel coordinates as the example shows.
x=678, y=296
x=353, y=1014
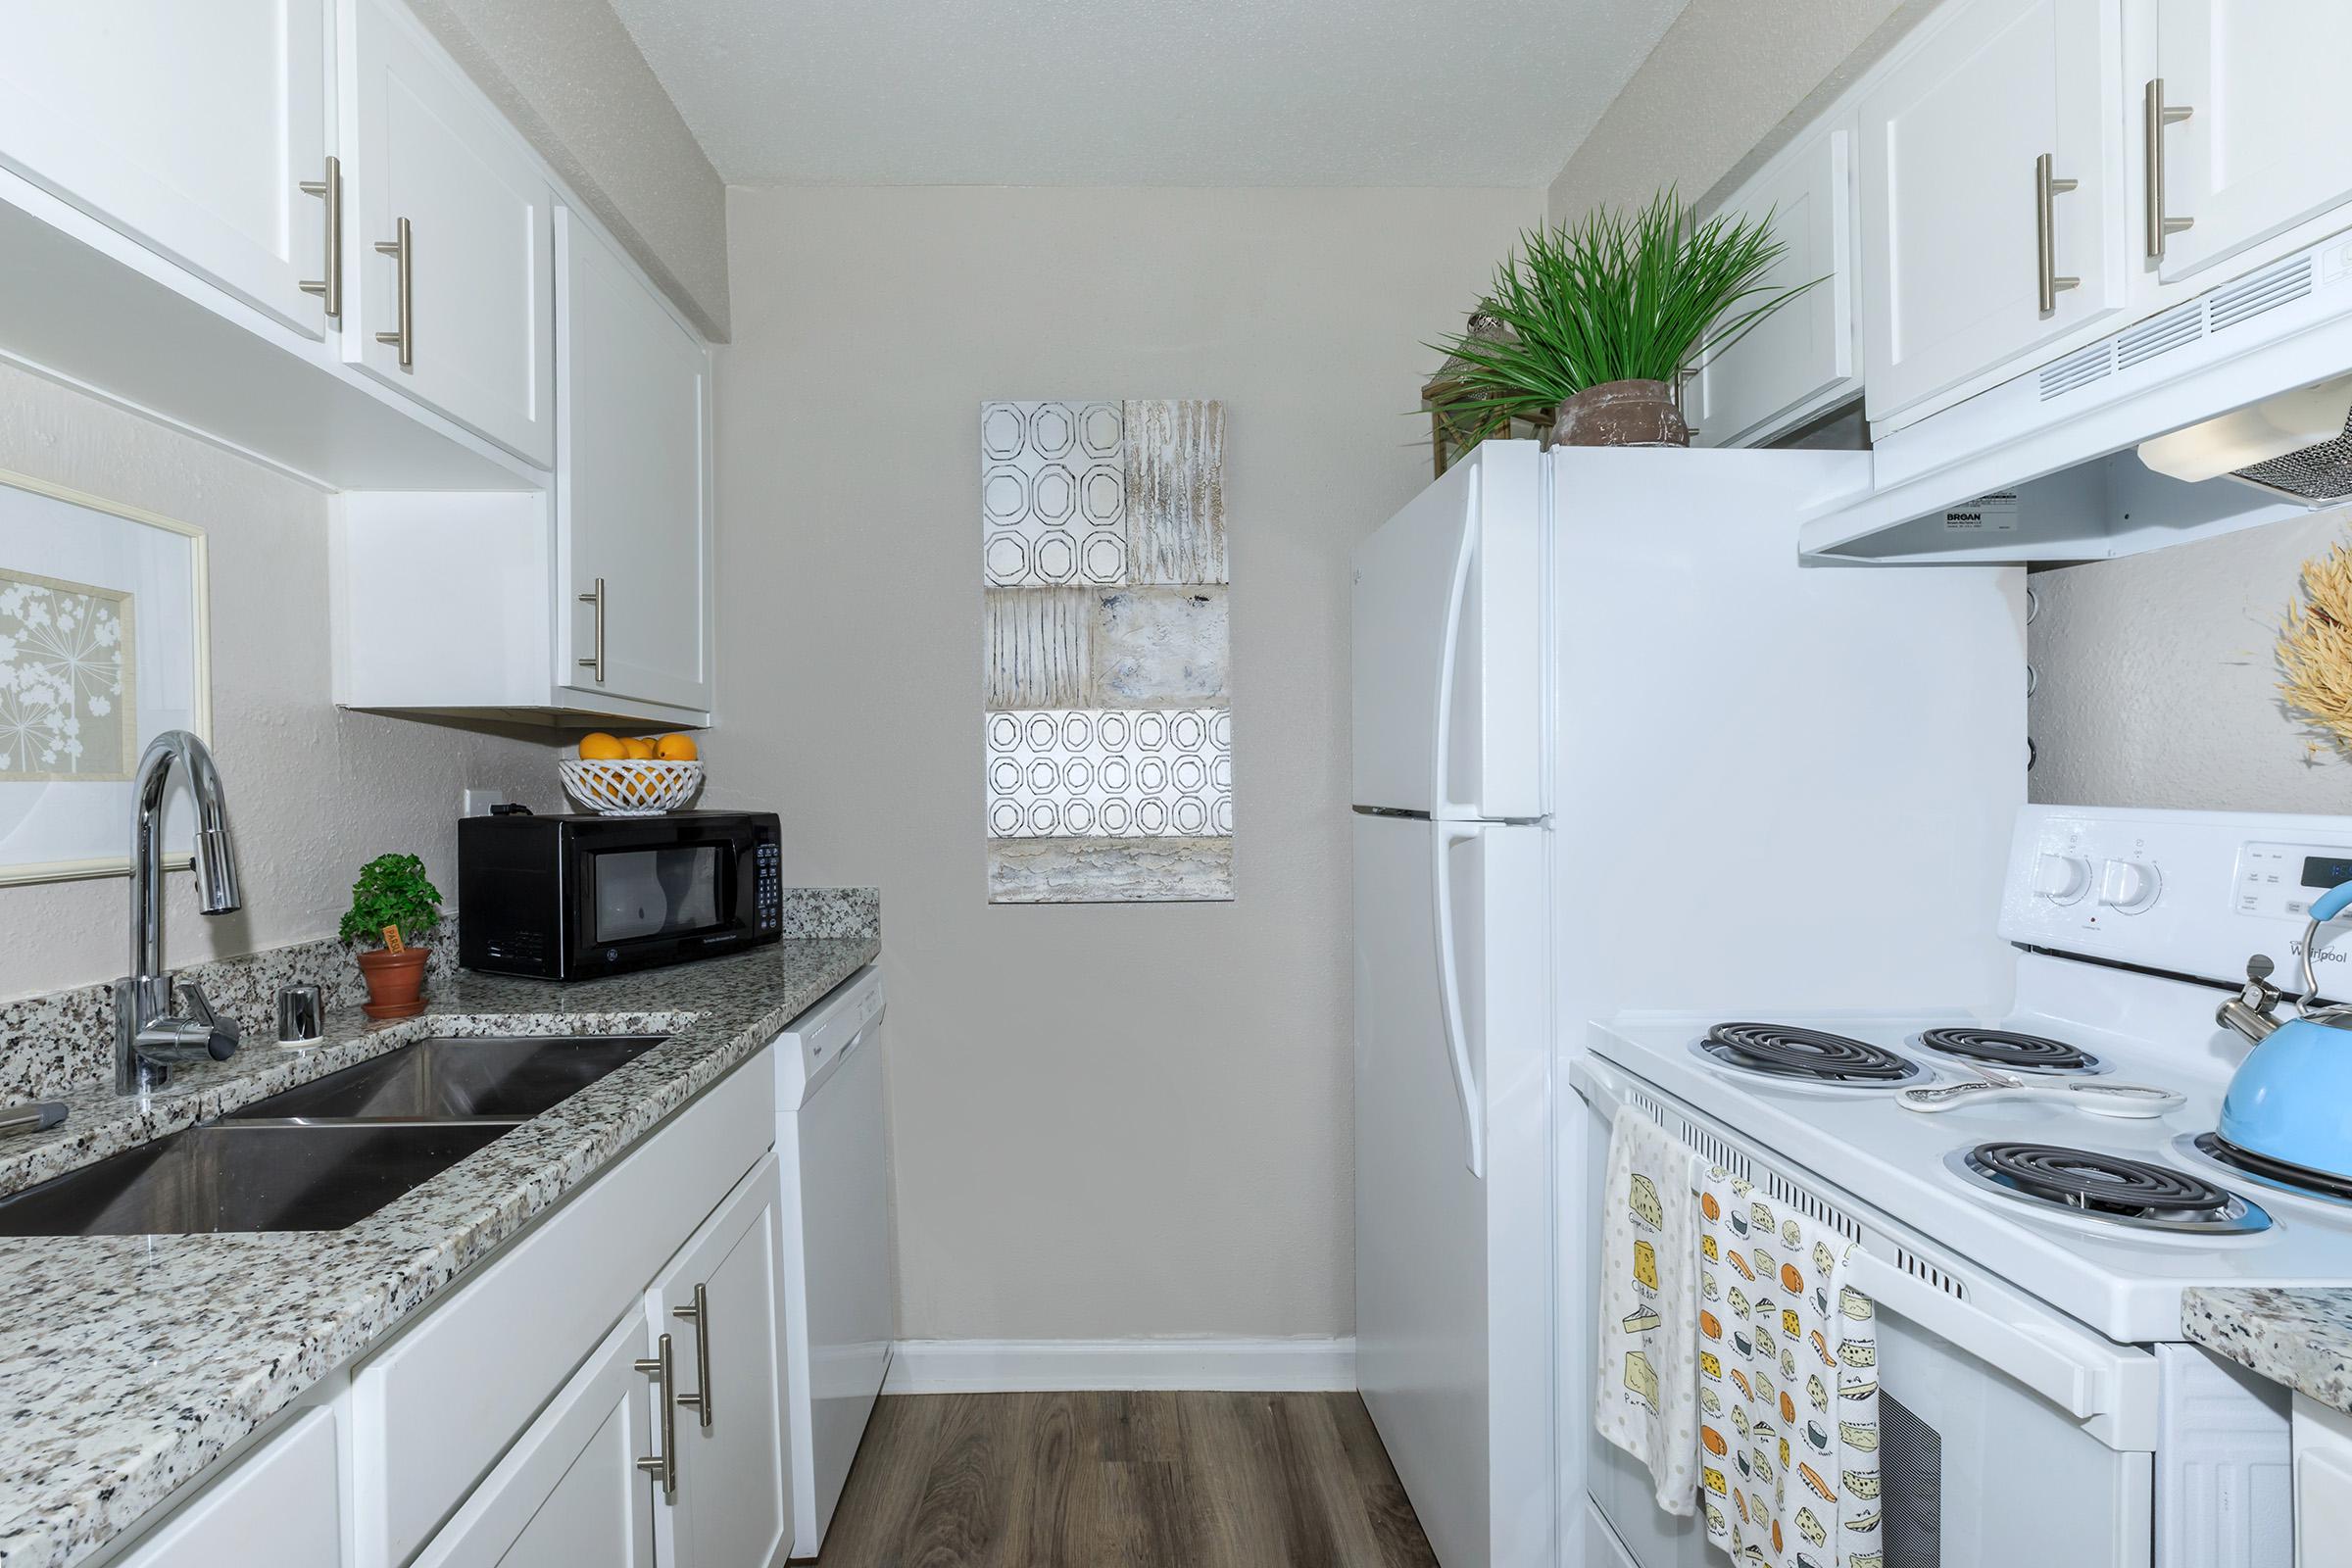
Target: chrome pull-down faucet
x=150, y=1038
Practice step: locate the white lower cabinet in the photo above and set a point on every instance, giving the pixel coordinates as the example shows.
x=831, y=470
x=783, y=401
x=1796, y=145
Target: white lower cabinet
x=279, y=1502
x=458, y=1400
x=571, y=1494
x=716, y=1305
x=2323, y=1486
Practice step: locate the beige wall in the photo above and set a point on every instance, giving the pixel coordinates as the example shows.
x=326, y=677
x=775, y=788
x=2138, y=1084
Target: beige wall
x=312, y=791
x=569, y=76
x=1107, y=1122
x=1715, y=97
x=2158, y=686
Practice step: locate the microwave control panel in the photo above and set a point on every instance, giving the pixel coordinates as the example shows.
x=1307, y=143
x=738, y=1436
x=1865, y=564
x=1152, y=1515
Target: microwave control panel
x=767, y=887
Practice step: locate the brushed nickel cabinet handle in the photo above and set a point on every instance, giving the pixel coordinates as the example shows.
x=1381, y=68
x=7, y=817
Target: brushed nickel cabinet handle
x=666, y=1463
x=2047, y=282
x=699, y=1314
x=595, y=661
x=2159, y=114
x=402, y=251
x=329, y=289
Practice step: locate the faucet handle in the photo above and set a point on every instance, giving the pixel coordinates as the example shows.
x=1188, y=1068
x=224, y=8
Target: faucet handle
x=222, y=1035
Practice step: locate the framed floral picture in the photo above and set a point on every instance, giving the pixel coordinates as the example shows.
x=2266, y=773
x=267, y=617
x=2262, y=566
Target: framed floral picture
x=102, y=646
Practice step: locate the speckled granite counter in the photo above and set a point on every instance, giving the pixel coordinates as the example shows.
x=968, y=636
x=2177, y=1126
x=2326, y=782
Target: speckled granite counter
x=129, y=1363
x=2302, y=1339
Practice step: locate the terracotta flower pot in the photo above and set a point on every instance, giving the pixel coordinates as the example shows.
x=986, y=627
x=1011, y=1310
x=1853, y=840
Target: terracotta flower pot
x=395, y=983
x=1622, y=414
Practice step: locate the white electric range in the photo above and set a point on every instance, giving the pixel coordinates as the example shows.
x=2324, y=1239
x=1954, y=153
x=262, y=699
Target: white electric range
x=2039, y=1404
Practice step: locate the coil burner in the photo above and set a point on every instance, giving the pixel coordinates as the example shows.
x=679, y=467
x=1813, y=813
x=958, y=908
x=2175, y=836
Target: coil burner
x=2085, y=1184
x=2011, y=1052
x=2299, y=1180
x=1807, y=1055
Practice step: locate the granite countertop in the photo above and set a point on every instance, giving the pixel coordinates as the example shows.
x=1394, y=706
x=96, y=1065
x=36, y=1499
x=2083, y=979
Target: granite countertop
x=2302, y=1339
x=130, y=1363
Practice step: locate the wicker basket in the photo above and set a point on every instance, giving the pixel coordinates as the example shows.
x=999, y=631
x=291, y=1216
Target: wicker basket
x=632, y=787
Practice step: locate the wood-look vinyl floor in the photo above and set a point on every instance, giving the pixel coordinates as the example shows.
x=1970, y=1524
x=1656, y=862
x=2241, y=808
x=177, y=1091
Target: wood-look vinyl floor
x=1124, y=1480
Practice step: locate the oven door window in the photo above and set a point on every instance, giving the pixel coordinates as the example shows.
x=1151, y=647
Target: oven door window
x=667, y=891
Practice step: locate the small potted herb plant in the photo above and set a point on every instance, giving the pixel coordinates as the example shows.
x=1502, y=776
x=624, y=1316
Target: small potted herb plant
x=1592, y=325
x=393, y=907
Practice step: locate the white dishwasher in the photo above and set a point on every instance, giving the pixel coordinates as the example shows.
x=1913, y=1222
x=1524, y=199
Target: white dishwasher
x=837, y=1306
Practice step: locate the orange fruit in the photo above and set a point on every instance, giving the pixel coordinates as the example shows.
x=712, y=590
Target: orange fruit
x=637, y=749
x=602, y=748
x=676, y=749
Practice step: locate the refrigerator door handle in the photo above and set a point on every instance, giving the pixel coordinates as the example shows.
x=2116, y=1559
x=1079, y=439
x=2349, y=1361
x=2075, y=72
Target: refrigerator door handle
x=1443, y=836
x=1442, y=807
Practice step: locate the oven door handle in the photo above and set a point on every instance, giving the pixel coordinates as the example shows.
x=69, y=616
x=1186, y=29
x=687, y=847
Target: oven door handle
x=2013, y=1348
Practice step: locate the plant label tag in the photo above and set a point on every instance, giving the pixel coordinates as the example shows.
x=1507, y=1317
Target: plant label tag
x=392, y=942
x=1992, y=514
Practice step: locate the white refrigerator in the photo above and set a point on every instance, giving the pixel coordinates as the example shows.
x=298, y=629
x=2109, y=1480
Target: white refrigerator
x=1614, y=746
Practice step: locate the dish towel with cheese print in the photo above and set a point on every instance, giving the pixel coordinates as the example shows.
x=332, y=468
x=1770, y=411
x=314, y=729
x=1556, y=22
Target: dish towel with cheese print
x=1646, y=1396
x=1787, y=1387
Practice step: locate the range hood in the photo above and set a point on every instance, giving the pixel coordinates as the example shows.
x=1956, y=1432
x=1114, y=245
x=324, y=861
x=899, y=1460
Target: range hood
x=2224, y=412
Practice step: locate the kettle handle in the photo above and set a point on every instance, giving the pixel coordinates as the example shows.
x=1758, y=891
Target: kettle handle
x=2323, y=909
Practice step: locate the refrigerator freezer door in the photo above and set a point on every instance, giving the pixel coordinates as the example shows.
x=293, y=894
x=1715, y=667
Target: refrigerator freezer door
x=1450, y=1043
x=1448, y=666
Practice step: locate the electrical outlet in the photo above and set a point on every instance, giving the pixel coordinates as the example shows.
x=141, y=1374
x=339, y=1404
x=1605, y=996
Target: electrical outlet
x=479, y=802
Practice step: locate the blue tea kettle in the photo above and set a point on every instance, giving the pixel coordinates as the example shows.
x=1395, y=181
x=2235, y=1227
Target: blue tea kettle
x=2291, y=1100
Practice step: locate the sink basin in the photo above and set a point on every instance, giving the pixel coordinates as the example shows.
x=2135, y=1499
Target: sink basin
x=454, y=1076
x=246, y=1176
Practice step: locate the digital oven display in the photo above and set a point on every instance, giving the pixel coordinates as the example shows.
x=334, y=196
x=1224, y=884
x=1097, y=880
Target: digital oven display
x=2325, y=871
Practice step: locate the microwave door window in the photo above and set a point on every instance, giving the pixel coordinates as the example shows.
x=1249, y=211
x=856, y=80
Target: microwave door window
x=646, y=893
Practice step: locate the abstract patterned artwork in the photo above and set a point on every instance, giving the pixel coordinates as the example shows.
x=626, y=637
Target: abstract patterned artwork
x=1107, y=741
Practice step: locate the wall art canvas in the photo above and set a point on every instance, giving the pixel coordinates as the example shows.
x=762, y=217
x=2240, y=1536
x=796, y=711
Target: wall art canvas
x=102, y=647
x=1108, y=739
x=68, y=679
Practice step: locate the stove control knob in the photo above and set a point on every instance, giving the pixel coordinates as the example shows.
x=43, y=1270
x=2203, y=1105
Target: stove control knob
x=2061, y=878
x=2129, y=887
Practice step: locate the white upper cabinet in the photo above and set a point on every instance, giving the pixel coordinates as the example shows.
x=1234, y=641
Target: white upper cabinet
x=190, y=127
x=1976, y=250
x=632, y=485
x=2264, y=145
x=1801, y=358
x=448, y=239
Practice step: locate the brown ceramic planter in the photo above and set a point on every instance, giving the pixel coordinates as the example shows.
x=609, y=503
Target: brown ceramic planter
x=1622, y=414
x=395, y=983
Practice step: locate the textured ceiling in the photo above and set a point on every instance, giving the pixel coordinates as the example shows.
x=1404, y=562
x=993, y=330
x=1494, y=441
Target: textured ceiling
x=1143, y=92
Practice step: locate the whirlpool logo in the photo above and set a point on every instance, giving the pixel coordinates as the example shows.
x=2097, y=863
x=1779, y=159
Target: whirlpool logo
x=2324, y=955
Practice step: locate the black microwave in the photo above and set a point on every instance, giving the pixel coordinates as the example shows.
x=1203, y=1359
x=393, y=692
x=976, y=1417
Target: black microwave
x=571, y=898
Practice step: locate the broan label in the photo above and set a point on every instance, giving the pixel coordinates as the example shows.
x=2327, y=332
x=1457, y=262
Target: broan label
x=1992, y=514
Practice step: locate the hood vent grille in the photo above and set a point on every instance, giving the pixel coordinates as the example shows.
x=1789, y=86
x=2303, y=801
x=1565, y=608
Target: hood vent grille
x=2264, y=291
x=2079, y=369
x=2161, y=335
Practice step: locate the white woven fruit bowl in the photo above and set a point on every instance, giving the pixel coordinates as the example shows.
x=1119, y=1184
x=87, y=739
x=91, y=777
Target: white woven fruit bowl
x=632, y=787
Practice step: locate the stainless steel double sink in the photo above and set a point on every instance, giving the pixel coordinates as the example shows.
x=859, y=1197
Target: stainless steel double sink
x=330, y=1152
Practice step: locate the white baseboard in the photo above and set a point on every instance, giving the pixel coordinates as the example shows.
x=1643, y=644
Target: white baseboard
x=1046, y=1366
